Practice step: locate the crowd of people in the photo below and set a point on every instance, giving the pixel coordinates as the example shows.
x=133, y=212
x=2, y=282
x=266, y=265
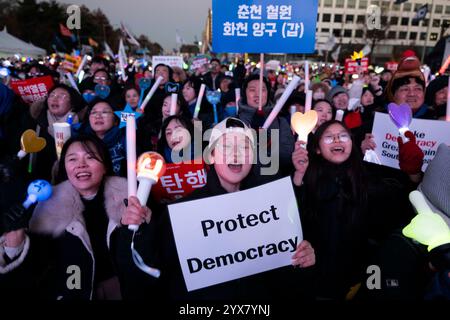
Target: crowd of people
x=352, y=211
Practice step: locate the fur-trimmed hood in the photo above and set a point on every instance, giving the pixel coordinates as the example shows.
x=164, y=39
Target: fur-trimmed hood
x=64, y=210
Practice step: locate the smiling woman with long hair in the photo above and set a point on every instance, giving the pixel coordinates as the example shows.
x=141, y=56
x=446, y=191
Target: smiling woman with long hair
x=80, y=225
x=343, y=205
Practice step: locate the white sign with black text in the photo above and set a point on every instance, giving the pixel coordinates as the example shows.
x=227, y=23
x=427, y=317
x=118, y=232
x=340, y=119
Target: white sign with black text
x=238, y=234
x=429, y=135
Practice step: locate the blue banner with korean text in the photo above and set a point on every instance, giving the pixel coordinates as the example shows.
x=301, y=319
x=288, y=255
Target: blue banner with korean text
x=264, y=26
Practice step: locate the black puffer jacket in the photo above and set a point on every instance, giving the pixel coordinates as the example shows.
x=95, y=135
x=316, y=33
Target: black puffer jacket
x=343, y=230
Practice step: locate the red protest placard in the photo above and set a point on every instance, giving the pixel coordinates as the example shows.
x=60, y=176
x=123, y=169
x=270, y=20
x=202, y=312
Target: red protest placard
x=355, y=67
x=391, y=65
x=178, y=181
x=34, y=89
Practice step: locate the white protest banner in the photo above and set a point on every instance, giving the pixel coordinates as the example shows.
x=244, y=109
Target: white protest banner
x=235, y=235
x=199, y=61
x=429, y=135
x=171, y=61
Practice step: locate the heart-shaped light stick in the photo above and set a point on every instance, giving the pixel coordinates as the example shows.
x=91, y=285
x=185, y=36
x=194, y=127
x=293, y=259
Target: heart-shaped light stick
x=30, y=143
x=303, y=124
x=102, y=91
x=401, y=116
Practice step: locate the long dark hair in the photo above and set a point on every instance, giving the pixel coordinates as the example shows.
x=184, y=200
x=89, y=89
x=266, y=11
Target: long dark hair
x=92, y=145
x=351, y=171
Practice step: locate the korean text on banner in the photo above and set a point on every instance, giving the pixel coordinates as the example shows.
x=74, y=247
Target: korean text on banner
x=264, y=26
x=171, y=61
x=34, y=89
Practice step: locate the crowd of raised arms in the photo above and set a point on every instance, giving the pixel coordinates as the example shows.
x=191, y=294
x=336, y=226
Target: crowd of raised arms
x=353, y=212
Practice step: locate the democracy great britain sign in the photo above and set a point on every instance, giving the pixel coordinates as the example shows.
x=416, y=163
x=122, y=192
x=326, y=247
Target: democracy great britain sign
x=264, y=26
x=429, y=135
x=235, y=235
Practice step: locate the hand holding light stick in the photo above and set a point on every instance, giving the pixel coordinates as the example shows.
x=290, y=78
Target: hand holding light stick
x=303, y=124
x=199, y=101
x=151, y=92
x=150, y=167
x=291, y=87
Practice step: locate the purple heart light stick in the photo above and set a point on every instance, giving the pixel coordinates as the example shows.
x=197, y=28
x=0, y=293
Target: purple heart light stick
x=401, y=116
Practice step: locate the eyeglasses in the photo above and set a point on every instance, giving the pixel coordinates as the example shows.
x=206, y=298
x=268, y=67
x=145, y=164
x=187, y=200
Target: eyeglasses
x=101, y=78
x=54, y=95
x=342, y=137
x=103, y=114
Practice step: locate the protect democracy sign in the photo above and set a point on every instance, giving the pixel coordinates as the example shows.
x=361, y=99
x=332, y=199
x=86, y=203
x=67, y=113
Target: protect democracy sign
x=429, y=135
x=264, y=26
x=231, y=236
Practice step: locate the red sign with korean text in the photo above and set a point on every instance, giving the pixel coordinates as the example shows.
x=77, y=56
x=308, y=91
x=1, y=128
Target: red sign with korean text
x=391, y=65
x=32, y=90
x=355, y=67
x=178, y=181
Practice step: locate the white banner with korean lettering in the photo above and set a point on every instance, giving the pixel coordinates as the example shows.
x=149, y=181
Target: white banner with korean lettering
x=429, y=135
x=171, y=61
x=235, y=235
